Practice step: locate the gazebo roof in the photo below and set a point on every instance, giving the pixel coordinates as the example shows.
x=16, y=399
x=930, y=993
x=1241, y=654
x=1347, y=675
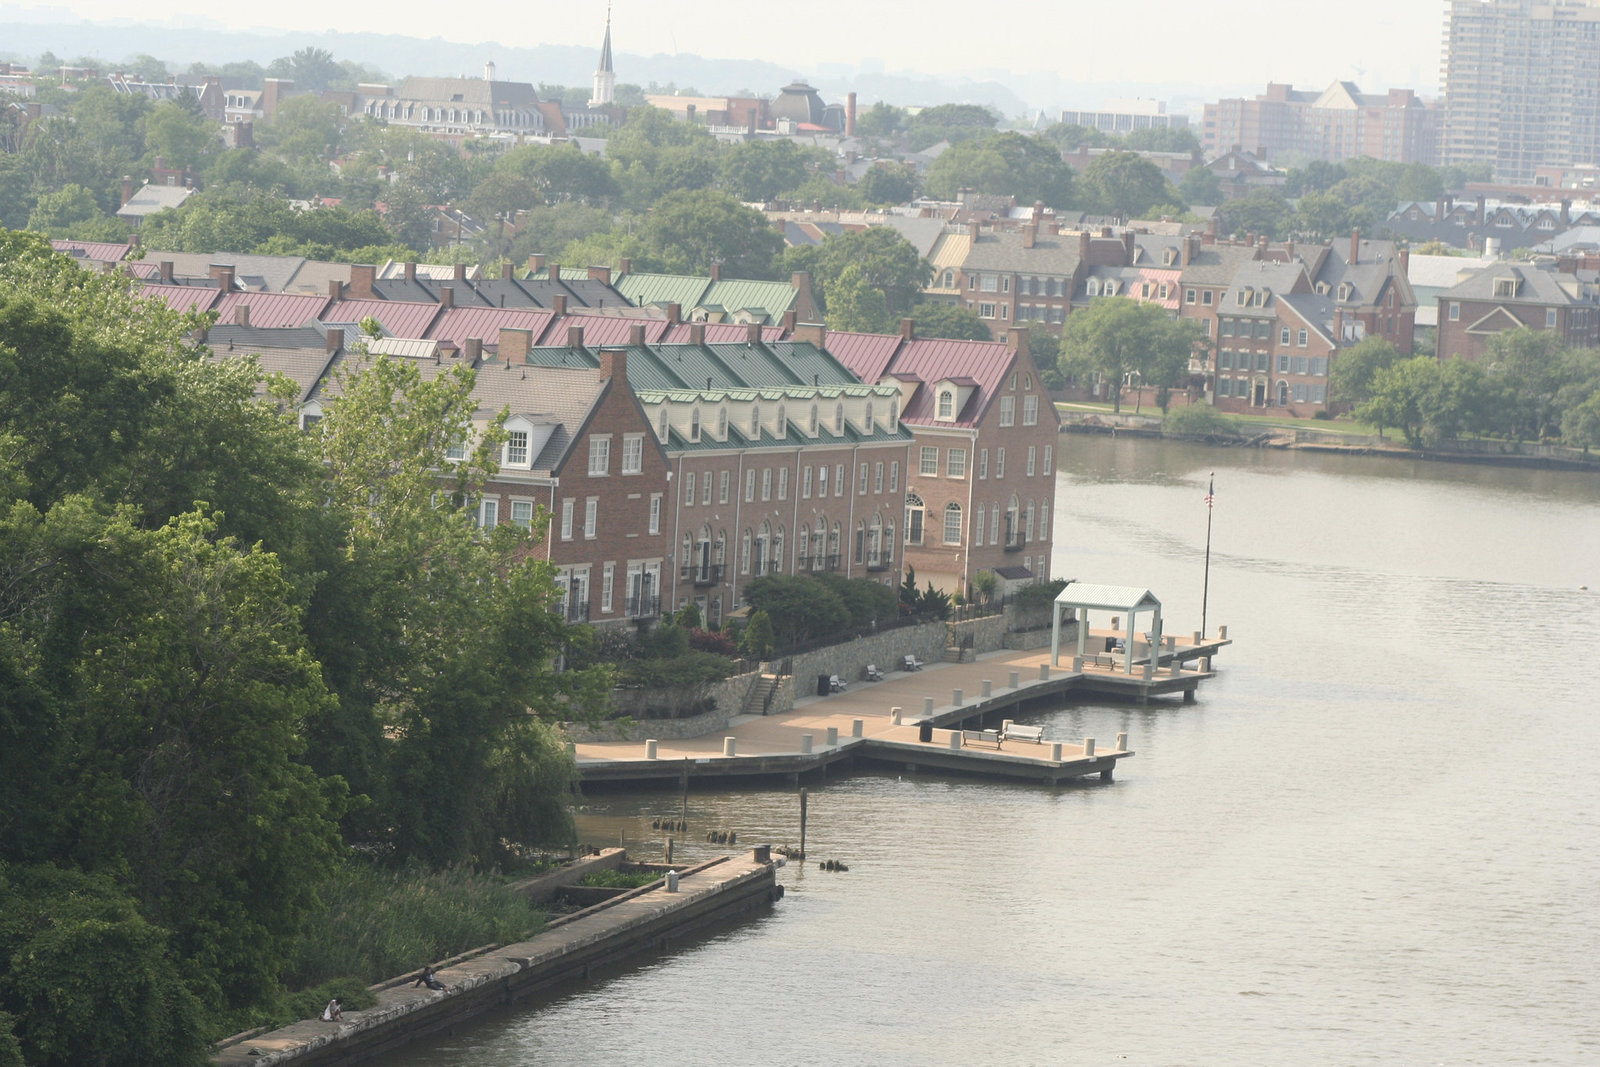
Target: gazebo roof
x=1107, y=597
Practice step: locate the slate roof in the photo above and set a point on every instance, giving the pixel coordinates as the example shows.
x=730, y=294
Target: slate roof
x=1004, y=252
x=153, y=198
x=469, y=91
x=1279, y=278
x=269, y=274
x=299, y=355
x=1369, y=277
x=1536, y=286
x=1217, y=264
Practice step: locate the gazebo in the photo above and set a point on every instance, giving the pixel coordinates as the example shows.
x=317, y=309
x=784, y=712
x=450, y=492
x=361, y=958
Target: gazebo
x=1080, y=598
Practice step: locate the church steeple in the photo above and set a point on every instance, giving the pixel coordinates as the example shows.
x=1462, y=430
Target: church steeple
x=605, y=79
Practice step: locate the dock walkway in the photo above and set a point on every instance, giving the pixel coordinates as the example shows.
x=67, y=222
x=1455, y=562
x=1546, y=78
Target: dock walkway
x=823, y=730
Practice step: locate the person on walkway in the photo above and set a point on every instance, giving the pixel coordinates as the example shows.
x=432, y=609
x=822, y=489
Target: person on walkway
x=333, y=1012
x=427, y=978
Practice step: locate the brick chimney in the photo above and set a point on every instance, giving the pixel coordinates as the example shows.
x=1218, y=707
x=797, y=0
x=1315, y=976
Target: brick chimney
x=127, y=189
x=1017, y=340
x=636, y=334
x=1127, y=247
x=515, y=344
x=1083, y=246
x=813, y=333
x=558, y=303
x=790, y=317
x=164, y=272
x=334, y=340
x=1030, y=233
x=908, y=329
x=1405, y=261
x=222, y=275
x=752, y=333
x=716, y=272
x=600, y=274
x=614, y=363
x=850, y=113
x=362, y=276
x=409, y=267
x=674, y=314
x=574, y=336
x=625, y=266
x=505, y=272
x=1191, y=248
x=1355, y=246
x=535, y=264
x=472, y=351
x=460, y=272
x=241, y=315
x=336, y=289
x=555, y=272
x=447, y=296
x=697, y=333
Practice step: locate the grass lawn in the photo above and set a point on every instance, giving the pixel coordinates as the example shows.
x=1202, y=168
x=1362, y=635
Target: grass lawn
x=1252, y=422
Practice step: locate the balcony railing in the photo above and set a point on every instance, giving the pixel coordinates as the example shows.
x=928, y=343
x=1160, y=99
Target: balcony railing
x=643, y=607
x=877, y=562
x=831, y=562
x=578, y=612
x=707, y=575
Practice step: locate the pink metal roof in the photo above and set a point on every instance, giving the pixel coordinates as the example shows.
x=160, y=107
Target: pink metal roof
x=399, y=318
x=272, y=311
x=719, y=333
x=867, y=355
x=936, y=359
x=182, y=297
x=97, y=251
x=603, y=330
x=457, y=324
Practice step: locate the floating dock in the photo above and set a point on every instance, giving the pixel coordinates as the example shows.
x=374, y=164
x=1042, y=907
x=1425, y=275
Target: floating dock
x=915, y=719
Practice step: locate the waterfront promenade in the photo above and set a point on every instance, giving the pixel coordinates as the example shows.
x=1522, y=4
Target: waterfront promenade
x=934, y=703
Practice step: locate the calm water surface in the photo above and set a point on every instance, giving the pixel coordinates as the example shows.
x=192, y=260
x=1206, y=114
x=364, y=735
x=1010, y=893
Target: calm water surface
x=1372, y=840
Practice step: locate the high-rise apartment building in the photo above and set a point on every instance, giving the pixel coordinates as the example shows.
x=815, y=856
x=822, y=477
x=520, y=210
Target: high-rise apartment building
x=1521, y=85
x=1338, y=123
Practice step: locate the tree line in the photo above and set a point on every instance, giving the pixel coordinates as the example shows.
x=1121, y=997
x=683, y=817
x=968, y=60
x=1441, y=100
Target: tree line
x=235, y=656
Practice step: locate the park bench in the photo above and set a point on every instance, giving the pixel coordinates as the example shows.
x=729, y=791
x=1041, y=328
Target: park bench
x=1019, y=732
x=835, y=683
x=873, y=673
x=913, y=663
x=980, y=737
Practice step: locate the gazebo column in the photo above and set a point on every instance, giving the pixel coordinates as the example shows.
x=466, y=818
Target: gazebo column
x=1055, y=634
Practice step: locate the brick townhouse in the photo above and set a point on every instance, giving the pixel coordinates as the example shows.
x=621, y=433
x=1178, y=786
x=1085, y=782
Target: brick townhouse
x=1517, y=296
x=980, y=484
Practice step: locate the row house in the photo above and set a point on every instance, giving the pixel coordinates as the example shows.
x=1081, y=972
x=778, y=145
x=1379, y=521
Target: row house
x=1276, y=342
x=980, y=481
x=1517, y=296
x=1369, y=284
x=1010, y=277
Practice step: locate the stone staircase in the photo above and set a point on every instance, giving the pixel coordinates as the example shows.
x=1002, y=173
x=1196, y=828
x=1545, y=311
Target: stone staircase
x=761, y=694
x=952, y=654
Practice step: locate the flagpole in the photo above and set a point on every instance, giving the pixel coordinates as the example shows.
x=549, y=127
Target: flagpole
x=1205, y=589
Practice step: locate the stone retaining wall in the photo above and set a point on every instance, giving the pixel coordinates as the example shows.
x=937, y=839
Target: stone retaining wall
x=728, y=698
x=887, y=649
x=986, y=632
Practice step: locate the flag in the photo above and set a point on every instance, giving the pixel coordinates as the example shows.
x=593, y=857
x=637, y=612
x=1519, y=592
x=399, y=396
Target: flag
x=1211, y=493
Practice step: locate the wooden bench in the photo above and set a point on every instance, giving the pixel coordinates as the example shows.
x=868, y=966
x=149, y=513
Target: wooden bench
x=1019, y=732
x=913, y=663
x=1100, y=660
x=835, y=683
x=980, y=737
x=873, y=673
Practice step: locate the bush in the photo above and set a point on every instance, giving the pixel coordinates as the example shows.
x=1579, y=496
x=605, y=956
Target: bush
x=713, y=641
x=1199, y=420
x=1040, y=595
x=757, y=640
x=376, y=924
x=619, y=879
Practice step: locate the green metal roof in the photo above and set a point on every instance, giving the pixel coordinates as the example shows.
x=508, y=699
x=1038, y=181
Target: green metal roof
x=773, y=298
x=643, y=290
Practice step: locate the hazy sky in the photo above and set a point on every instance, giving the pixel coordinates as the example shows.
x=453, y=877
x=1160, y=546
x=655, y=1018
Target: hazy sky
x=1378, y=43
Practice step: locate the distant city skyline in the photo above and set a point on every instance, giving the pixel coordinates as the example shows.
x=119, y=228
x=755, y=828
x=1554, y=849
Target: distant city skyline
x=1226, y=44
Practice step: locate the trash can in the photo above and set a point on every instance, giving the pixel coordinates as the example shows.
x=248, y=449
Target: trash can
x=824, y=685
x=924, y=731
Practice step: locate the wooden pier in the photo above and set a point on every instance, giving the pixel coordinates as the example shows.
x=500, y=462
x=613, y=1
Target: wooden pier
x=912, y=719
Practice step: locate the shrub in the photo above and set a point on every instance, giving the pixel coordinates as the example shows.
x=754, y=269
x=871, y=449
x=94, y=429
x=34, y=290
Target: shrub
x=1199, y=420
x=757, y=640
x=1040, y=595
x=712, y=641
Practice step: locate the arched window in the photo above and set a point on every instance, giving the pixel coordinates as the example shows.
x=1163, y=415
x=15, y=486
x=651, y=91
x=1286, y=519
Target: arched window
x=888, y=543
x=805, y=546
x=755, y=420
x=662, y=428
x=875, y=542
x=913, y=519
x=782, y=426
x=838, y=418
x=1027, y=522
x=722, y=548
x=861, y=541
x=763, y=546
x=687, y=559
x=694, y=425
x=894, y=414
x=813, y=429
x=949, y=279
x=947, y=404
x=1094, y=287
x=744, y=552
x=977, y=528
x=722, y=423
x=833, y=542
x=868, y=422
x=777, y=563
x=1013, y=530
x=1283, y=393
x=952, y=523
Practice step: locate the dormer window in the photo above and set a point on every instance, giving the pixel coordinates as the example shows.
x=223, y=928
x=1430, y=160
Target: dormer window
x=1244, y=297
x=947, y=404
x=517, y=448
x=694, y=426
x=755, y=420
x=722, y=424
x=1505, y=288
x=1345, y=290
x=812, y=429
x=869, y=417
x=1110, y=287
x=1094, y=287
x=782, y=428
x=1169, y=256
x=894, y=414
x=838, y=418
x=662, y=424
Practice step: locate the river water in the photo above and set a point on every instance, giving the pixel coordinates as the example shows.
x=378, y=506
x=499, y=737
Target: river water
x=1373, y=840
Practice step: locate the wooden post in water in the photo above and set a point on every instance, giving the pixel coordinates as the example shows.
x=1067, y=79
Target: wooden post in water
x=802, y=825
x=683, y=817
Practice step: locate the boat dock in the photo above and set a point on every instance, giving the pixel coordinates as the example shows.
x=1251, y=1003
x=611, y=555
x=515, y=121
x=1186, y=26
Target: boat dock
x=924, y=719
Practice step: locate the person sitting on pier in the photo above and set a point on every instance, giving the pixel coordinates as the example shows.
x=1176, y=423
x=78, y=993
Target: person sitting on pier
x=333, y=1012
x=427, y=978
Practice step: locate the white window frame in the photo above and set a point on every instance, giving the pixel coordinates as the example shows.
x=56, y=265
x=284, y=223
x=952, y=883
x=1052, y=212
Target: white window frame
x=750, y=485
x=1032, y=455
x=1008, y=411
x=1000, y=462
x=983, y=463
x=955, y=463
x=522, y=512
x=591, y=518
x=633, y=453
x=1049, y=457
x=928, y=462
x=599, y=455
x=655, y=513
x=1030, y=409
x=516, y=449
x=567, y=506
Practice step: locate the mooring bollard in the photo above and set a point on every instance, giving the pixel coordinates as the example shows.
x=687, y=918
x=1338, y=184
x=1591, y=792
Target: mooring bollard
x=1116, y=623
x=1198, y=637
x=1088, y=747
x=955, y=738
x=1205, y=664
x=1222, y=633
x=805, y=744
x=728, y=746
x=894, y=716
x=1122, y=742
x=1149, y=671
x=1015, y=678
x=1044, y=672
x=927, y=707
x=672, y=881
x=1169, y=641
x=1175, y=667
x=986, y=688
x=833, y=736
x=650, y=749
x=669, y=851
x=957, y=697
x=1077, y=665
x=858, y=727
x=1055, y=751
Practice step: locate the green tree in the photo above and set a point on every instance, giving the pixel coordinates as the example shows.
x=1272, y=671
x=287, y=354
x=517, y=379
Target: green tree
x=1355, y=370
x=1008, y=164
x=881, y=120
x=800, y=607
x=1419, y=182
x=1321, y=216
x=688, y=231
x=1401, y=397
x=1200, y=185
x=855, y=304
x=313, y=70
x=878, y=269
x=887, y=183
x=72, y=212
x=1123, y=183
x=1116, y=337
x=949, y=320
x=180, y=135
x=1261, y=212
x=761, y=170
x=955, y=123
x=757, y=641
x=304, y=129
x=1162, y=139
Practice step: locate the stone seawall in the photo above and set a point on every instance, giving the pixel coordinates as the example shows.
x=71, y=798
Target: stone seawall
x=888, y=650
x=728, y=696
x=987, y=632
